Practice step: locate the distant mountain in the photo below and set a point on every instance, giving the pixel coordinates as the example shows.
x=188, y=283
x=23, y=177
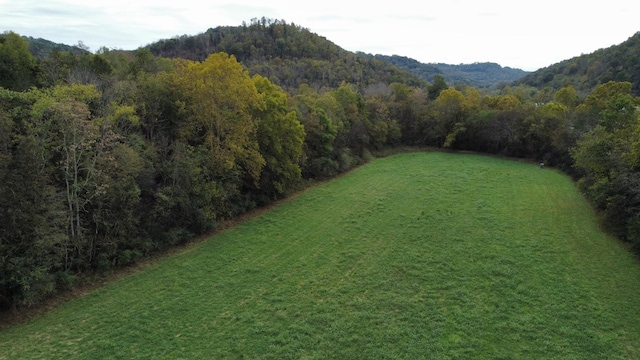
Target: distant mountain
x=288, y=54
x=41, y=48
x=480, y=75
x=618, y=63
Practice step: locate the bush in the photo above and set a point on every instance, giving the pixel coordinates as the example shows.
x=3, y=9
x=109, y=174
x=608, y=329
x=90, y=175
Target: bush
x=128, y=257
x=65, y=280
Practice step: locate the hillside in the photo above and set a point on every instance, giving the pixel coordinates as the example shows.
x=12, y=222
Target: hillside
x=287, y=54
x=480, y=75
x=469, y=257
x=615, y=63
x=41, y=48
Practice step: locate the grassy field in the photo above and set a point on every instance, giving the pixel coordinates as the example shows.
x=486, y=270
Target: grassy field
x=421, y=255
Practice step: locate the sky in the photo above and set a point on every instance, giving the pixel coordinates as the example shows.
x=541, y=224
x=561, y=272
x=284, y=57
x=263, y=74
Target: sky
x=528, y=35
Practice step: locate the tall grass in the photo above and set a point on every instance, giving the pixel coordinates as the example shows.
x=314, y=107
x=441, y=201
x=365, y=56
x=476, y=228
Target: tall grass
x=422, y=255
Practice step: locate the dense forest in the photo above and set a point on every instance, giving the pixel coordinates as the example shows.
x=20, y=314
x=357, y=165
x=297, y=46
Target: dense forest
x=107, y=158
x=288, y=54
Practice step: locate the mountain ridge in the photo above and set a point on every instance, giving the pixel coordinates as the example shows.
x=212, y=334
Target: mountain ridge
x=478, y=74
x=290, y=55
x=619, y=62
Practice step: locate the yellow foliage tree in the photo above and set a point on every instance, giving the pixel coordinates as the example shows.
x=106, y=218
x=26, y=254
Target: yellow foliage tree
x=219, y=99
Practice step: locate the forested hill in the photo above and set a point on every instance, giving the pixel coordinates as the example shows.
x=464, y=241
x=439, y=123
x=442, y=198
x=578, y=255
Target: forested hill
x=41, y=48
x=481, y=75
x=585, y=72
x=288, y=54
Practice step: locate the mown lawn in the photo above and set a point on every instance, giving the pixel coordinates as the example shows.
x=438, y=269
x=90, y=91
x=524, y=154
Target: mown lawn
x=421, y=255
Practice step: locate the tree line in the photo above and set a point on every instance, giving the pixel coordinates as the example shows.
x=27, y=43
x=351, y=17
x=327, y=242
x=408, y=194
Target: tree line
x=109, y=157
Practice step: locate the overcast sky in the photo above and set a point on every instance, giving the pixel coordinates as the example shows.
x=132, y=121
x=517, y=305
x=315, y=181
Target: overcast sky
x=526, y=35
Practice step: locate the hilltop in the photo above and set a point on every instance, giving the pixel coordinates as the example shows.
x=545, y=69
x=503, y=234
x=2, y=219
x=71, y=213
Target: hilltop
x=41, y=48
x=288, y=54
x=585, y=72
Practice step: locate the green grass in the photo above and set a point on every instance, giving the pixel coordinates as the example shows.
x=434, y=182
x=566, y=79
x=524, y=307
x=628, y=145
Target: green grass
x=421, y=255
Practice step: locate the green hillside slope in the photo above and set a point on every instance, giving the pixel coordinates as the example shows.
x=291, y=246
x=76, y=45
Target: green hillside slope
x=423, y=255
x=616, y=63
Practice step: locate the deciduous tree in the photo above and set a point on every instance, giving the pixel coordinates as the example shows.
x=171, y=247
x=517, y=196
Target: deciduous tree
x=280, y=137
x=17, y=65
